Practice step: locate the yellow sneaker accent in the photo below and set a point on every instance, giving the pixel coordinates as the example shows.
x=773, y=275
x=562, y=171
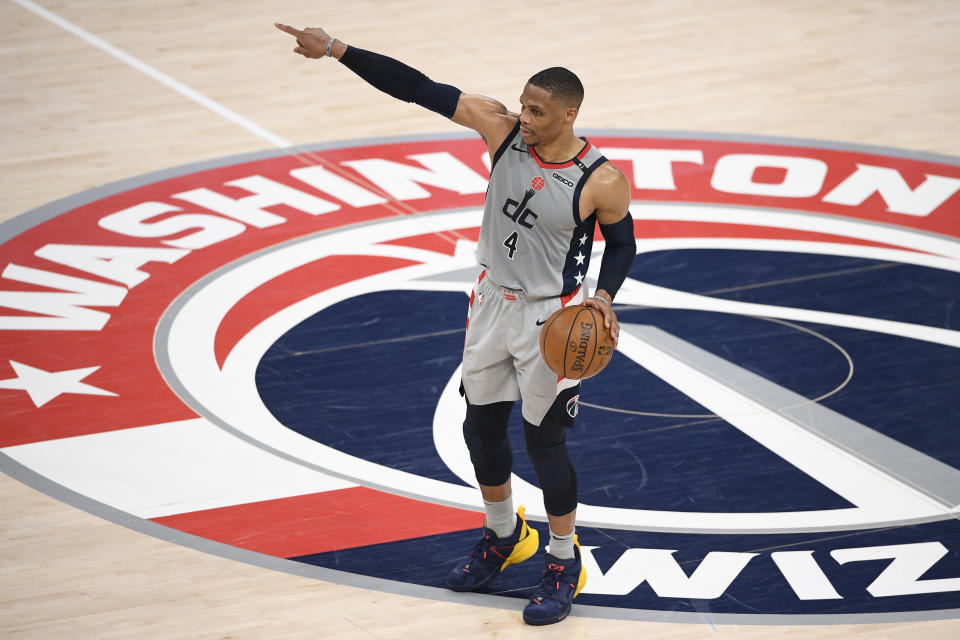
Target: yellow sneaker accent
x=527, y=545
x=583, y=570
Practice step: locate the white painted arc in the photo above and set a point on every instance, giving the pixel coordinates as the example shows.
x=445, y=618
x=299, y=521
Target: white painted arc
x=155, y=495
x=800, y=221
x=634, y=292
x=189, y=346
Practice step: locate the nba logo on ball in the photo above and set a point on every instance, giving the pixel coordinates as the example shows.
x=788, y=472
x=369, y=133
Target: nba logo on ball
x=732, y=467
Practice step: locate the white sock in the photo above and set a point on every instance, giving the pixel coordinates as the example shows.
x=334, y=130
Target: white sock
x=561, y=546
x=501, y=517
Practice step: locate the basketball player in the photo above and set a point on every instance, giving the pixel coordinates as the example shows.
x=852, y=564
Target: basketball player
x=548, y=188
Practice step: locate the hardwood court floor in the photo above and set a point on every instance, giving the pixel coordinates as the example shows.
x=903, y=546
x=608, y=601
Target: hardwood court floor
x=74, y=117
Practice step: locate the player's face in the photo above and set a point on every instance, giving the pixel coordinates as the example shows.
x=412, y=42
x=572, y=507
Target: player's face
x=542, y=118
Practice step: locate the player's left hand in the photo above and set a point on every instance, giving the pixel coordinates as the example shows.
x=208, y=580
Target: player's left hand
x=602, y=304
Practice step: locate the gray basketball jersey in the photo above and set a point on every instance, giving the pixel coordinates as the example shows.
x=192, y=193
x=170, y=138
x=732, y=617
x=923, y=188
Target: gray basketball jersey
x=532, y=238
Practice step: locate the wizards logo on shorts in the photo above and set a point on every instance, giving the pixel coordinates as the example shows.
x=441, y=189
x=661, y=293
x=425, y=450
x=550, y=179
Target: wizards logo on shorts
x=264, y=352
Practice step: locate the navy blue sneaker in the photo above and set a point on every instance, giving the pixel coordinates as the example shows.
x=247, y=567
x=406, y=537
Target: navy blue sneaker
x=561, y=582
x=492, y=555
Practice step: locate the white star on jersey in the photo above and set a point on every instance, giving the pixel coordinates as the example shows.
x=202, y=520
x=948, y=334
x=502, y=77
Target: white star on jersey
x=43, y=386
x=583, y=240
x=579, y=258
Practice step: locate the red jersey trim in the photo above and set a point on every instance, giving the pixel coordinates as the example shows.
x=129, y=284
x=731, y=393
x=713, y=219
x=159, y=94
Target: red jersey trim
x=560, y=165
x=567, y=298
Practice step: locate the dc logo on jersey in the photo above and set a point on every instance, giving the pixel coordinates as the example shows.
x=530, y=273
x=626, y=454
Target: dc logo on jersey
x=518, y=211
x=239, y=352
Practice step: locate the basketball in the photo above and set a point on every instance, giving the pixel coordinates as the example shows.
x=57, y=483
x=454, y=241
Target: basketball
x=574, y=343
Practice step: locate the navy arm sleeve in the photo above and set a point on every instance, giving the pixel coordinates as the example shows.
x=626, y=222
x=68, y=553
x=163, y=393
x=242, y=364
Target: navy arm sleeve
x=618, y=255
x=401, y=81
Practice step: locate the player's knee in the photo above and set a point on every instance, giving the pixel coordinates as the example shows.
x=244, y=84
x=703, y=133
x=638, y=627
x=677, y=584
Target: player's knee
x=547, y=449
x=485, y=433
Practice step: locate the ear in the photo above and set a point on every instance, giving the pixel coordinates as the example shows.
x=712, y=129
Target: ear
x=570, y=114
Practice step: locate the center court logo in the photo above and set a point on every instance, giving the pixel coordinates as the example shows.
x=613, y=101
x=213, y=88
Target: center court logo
x=238, y=351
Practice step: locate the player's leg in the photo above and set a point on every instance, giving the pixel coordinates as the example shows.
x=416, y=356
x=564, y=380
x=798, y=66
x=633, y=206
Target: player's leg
x=507, y=538
x=547, y=450
x=485, y=434
x=490, y=389
x=564, y=575
x=549, y=408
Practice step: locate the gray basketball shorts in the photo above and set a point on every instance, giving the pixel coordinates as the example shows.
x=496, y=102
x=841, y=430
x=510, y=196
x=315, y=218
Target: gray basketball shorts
x=501, y=353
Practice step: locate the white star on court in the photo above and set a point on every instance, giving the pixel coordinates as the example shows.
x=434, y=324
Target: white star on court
x=43, y=386
x=583, y=240
x=580, y=258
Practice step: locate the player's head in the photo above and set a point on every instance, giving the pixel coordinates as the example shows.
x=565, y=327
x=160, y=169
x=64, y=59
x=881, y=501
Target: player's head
x=564, y=85
x=549, y=104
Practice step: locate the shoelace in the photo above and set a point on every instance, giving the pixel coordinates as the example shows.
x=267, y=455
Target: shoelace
x=480, y=549
x=550, y=584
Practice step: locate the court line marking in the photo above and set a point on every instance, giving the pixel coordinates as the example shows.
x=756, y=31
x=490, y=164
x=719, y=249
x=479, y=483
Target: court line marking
x=905, y=466
x=798, y=327
x=154, y=73
x=815, y=276
x=308, y=158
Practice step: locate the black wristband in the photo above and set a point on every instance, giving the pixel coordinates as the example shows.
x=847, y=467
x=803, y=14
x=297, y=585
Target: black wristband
x=401, y=81
x=618, y=255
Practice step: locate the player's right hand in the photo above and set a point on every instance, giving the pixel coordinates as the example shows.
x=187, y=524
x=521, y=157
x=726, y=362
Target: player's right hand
x=311, y=42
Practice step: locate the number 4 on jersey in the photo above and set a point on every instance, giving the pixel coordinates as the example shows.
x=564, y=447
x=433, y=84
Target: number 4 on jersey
x=511, y=244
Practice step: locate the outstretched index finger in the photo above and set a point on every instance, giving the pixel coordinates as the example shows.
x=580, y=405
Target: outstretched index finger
x=288, y=29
